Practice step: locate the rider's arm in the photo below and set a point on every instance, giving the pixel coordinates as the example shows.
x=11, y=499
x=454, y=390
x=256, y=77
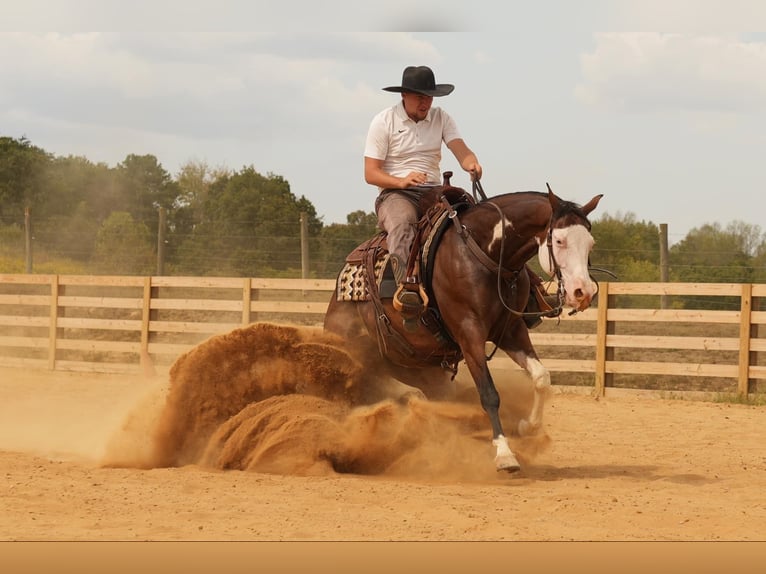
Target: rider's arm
x=467, y=159
x=374, y=175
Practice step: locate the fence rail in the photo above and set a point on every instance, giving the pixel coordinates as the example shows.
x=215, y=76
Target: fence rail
x=126, y=324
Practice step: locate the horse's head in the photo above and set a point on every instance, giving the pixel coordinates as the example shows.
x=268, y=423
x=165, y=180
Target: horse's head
x=566, y=251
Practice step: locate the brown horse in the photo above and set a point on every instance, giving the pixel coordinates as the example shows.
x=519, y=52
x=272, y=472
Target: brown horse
x=475, y=277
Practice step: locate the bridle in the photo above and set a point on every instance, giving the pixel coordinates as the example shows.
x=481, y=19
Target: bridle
x=560, y=294
x=511, y=276
x=502, y=273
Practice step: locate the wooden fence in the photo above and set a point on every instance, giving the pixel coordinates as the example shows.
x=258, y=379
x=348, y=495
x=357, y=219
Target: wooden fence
x=638, y=335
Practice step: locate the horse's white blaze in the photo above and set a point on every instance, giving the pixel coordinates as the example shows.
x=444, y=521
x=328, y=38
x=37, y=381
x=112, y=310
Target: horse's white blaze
x=571, y=247
x=544, y=257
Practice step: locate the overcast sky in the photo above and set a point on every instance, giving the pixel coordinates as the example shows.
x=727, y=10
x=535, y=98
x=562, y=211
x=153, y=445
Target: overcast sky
x=670, y=126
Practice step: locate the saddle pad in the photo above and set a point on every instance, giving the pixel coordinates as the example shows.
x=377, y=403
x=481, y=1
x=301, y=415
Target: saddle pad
x=352, y=282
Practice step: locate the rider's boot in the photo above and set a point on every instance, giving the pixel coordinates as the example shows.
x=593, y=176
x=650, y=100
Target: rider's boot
x=538, y=300
x=532, y=321
x=407, y=298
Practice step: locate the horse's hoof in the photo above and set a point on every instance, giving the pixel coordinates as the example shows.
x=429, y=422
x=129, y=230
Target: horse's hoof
x=507, y=464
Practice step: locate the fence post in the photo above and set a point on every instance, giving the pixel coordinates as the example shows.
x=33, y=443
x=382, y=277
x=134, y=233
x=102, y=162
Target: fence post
x=304, y=247
x=601, y=331
x=161, y=229
x=28, y=240
x=664, y=262
x=247, y=290
x=145, y=359
x=53, y=329
x=745, y=331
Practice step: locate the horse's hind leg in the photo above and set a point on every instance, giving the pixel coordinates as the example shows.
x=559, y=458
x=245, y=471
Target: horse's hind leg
x=434, y=382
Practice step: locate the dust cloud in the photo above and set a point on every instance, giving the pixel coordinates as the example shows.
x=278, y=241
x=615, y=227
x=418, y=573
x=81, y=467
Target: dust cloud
x=63, y=415
x=292, y=400
x=265, y=398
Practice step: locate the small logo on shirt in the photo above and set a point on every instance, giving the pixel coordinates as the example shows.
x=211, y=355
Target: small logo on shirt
x=401, y=131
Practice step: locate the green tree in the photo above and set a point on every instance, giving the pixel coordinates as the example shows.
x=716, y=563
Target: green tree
x=338, y=240
x=759, y=264
x=69, y=236
x=22, y=169
x=711, y=254
x=76, y=201
x=65, y=181
x=145, y=186
x=249, y=224
x=623, y=245
x=194, y=181
x=124, y=246
x=103, y=192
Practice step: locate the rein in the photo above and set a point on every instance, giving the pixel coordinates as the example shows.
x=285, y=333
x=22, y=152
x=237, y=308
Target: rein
x=478, y=190
x=556, y=311
x=512, y=275
x=496, y=267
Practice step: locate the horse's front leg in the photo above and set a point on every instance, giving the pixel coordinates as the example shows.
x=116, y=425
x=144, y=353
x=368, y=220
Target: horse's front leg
x=541, y=379
x=490, y=402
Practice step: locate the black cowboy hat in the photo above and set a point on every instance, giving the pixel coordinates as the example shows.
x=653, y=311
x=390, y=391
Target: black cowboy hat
x=420, y=80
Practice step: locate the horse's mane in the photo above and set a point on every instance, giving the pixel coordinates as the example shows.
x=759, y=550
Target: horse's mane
x=566, y=208
x=563, y=207
x=458, y=195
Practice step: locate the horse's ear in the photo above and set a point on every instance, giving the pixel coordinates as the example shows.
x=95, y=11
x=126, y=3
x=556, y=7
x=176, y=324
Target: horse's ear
x=591, y=205
x=553, y=198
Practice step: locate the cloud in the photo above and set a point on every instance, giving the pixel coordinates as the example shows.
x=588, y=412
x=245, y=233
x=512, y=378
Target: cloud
x=696, y=17
x=653, y=72
x=239, y=15
x=206, y=85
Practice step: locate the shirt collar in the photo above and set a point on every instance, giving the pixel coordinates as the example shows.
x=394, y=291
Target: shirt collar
x=402, y=114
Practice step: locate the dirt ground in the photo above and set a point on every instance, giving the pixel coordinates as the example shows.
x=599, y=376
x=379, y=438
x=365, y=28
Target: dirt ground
x=255, y=436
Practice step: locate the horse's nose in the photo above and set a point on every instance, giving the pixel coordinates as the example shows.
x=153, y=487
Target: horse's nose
x=582, y=293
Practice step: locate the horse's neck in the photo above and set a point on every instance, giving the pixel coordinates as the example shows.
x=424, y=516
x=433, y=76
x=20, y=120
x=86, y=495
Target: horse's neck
x=524, y=253
x=526, y=216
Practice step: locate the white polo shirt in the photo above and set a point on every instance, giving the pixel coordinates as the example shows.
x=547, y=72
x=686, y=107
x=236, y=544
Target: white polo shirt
x=405, y=145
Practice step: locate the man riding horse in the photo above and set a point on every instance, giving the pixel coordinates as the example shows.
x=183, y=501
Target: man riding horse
x=401, y=157
x=458, y=277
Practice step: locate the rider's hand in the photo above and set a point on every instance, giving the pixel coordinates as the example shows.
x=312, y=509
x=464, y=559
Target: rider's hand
x=412, y=179
x=475, y=170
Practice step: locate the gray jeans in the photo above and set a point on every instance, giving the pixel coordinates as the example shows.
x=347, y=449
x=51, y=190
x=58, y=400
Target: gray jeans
x=397, y=215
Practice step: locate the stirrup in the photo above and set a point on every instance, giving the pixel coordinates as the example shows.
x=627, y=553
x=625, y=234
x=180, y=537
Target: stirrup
x=411, y=310
x=411, y=304
x=408, y=302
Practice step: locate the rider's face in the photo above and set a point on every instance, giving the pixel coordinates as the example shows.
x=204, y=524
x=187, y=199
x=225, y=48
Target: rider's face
x=417, y=105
